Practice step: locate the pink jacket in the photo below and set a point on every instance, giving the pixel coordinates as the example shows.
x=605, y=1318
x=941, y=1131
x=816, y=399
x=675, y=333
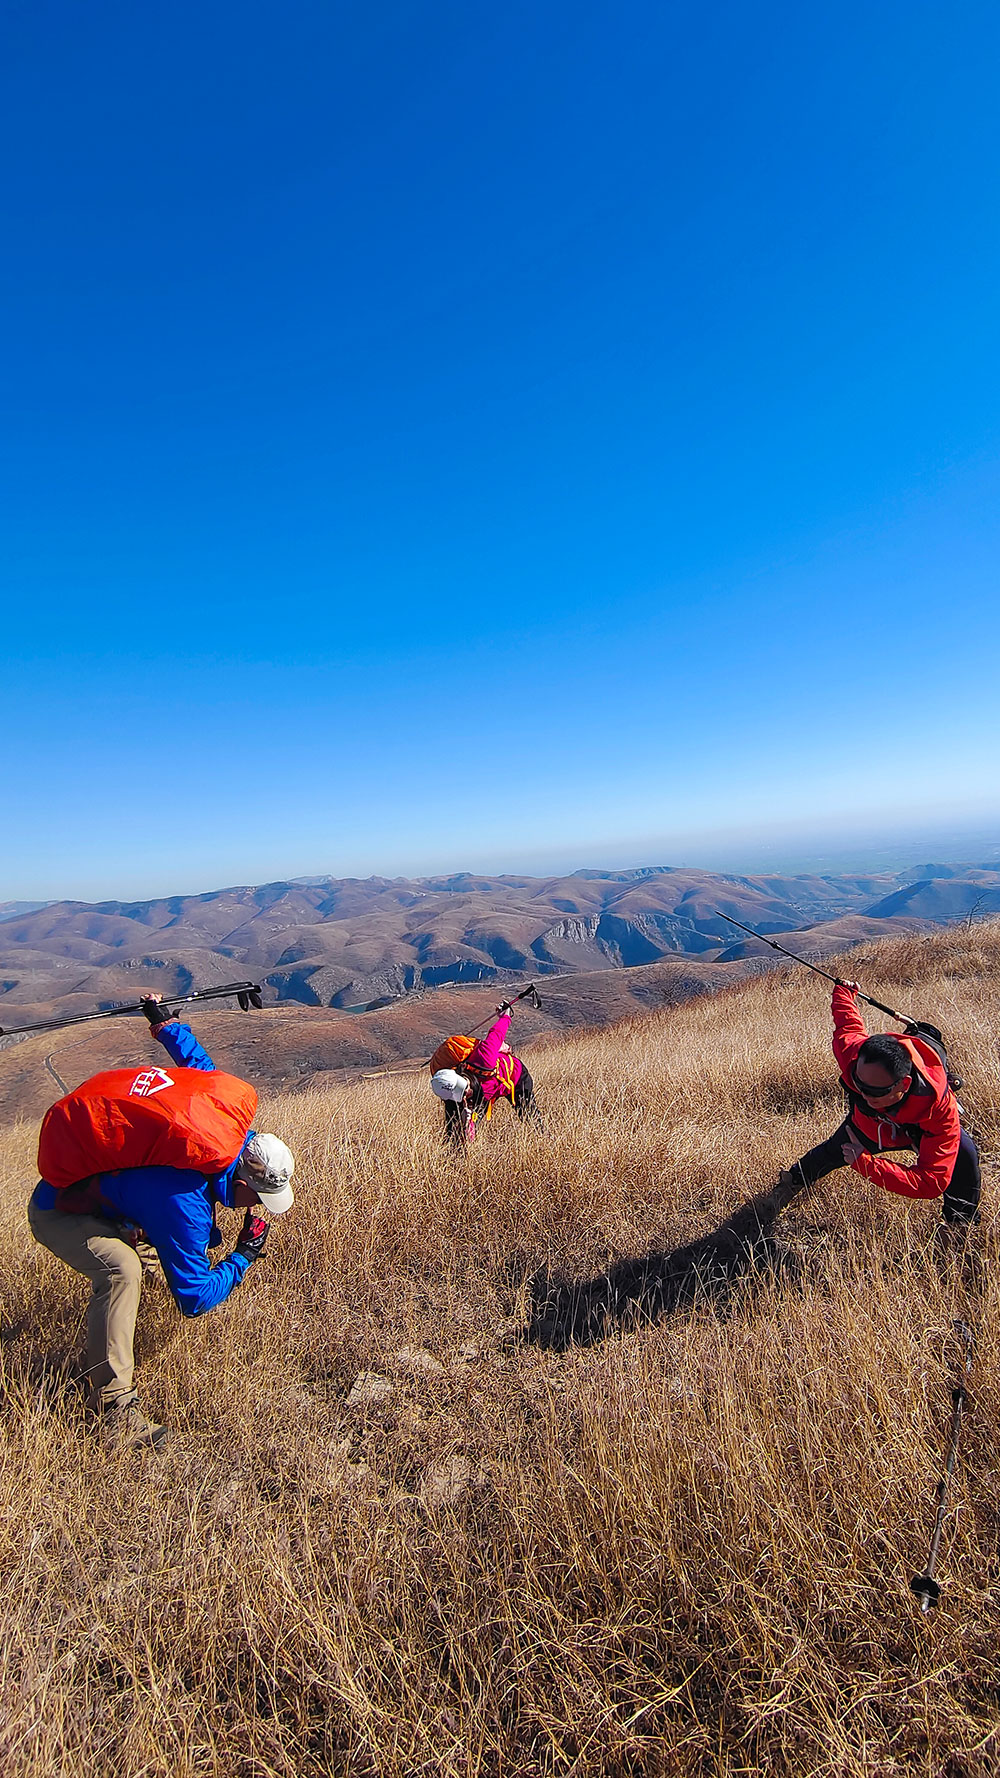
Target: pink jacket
x=496, y=1069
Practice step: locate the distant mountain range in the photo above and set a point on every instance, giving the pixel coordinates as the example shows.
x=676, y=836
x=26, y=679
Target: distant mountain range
x=11, y=910
x=359, y=944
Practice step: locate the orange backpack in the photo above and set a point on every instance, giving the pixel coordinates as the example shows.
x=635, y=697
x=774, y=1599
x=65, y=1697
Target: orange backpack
x=452, y=1053
x=152, y=1117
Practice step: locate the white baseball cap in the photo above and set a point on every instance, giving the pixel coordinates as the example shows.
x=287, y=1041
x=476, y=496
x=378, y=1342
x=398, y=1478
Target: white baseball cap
x=267, y=1164
x=447, y=1084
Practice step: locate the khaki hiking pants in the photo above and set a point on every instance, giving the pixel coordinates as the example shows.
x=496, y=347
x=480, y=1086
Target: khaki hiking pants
x=93, y=1245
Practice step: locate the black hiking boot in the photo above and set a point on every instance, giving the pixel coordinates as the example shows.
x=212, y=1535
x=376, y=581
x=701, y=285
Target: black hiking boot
x=955, y=1251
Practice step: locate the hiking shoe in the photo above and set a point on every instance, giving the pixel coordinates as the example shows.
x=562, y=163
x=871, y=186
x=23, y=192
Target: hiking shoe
x=124, y=1426
x=953, y=1249
x=954, y=1231
x=958, y=1219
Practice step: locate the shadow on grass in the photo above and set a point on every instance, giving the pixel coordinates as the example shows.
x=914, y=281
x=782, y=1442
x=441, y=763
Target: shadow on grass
x=640, y=1291
x=35, y=1381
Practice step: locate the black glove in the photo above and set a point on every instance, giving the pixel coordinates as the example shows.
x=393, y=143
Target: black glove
x=505, y=1009
x=253, y=1234
x=156, y=1012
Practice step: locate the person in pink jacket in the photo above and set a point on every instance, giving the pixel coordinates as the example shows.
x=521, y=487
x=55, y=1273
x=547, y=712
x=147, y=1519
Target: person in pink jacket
x=493, y=1072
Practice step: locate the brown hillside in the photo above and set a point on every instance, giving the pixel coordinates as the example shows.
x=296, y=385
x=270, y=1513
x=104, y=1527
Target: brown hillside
x=348, y=944
x=291, y=1046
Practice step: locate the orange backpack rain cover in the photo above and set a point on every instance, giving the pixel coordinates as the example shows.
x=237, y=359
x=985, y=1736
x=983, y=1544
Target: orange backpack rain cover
x=148, y=1117
x=452, y=1052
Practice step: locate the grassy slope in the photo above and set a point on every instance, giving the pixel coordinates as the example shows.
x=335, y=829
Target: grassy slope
x=682, y=1549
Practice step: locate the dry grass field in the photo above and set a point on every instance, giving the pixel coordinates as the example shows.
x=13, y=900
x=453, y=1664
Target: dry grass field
x=408, y=1524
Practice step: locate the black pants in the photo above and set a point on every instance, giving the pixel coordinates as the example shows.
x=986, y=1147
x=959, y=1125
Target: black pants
x=524, y=1101
x=959, y=1203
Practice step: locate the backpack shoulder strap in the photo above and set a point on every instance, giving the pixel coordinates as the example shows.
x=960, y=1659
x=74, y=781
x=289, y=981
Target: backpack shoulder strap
x=932, y=1037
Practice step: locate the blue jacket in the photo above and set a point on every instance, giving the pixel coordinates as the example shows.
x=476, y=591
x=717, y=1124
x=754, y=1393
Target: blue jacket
x=174, y=1209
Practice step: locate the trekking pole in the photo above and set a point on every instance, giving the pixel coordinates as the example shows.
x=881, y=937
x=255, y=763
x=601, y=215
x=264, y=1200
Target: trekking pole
x=247, y=993
x=927, y=1589
x=530, y=992
x=900, y=1017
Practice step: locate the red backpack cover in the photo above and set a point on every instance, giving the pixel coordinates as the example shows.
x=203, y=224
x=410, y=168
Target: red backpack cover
x=150, y=1117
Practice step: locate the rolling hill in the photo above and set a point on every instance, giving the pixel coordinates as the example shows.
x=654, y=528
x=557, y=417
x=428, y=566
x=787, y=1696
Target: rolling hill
x=351, y=944
x=290, y=1046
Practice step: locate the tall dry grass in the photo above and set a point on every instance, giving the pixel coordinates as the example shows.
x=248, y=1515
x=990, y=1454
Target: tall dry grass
x=683, y=1549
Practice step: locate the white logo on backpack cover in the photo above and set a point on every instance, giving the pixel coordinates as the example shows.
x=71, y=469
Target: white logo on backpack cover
x=152, y=1080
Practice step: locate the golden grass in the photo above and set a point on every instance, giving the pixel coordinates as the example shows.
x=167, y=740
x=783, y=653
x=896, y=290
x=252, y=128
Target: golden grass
x=683, y=1549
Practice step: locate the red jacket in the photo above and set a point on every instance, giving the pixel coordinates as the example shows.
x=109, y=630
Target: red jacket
x=927, y=1118
x=497, y=1072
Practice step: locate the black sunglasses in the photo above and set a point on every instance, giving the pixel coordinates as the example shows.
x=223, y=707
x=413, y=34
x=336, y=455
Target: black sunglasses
x=874, y=1092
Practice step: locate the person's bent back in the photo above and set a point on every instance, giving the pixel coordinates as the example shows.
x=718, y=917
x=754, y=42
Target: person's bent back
x=111, y=1224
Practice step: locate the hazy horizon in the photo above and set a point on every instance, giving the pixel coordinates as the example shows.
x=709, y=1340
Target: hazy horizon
x=788, y=850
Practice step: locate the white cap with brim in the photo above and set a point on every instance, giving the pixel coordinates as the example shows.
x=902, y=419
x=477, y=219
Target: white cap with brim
x=267, y=1164
x=447, y=1084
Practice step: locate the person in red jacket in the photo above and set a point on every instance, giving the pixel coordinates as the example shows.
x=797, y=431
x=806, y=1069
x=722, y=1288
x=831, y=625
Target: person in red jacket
x=899, y=1098
x=492, y=1072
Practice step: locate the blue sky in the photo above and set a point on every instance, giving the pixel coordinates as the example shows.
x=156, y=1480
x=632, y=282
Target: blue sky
x=449, y=435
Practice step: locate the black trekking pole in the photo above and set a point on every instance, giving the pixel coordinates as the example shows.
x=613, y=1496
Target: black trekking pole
x=528, y=993
x=900, y=1017
x=248, y=994
x=927, y=1589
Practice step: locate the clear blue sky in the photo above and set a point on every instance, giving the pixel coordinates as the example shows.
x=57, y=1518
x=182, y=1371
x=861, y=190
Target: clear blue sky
x=450, y=434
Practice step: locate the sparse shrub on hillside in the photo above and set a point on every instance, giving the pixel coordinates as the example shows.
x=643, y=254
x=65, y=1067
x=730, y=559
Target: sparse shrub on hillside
x=390, y=1537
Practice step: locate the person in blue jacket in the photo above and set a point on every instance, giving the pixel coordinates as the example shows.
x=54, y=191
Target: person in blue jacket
x=108, y=1227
